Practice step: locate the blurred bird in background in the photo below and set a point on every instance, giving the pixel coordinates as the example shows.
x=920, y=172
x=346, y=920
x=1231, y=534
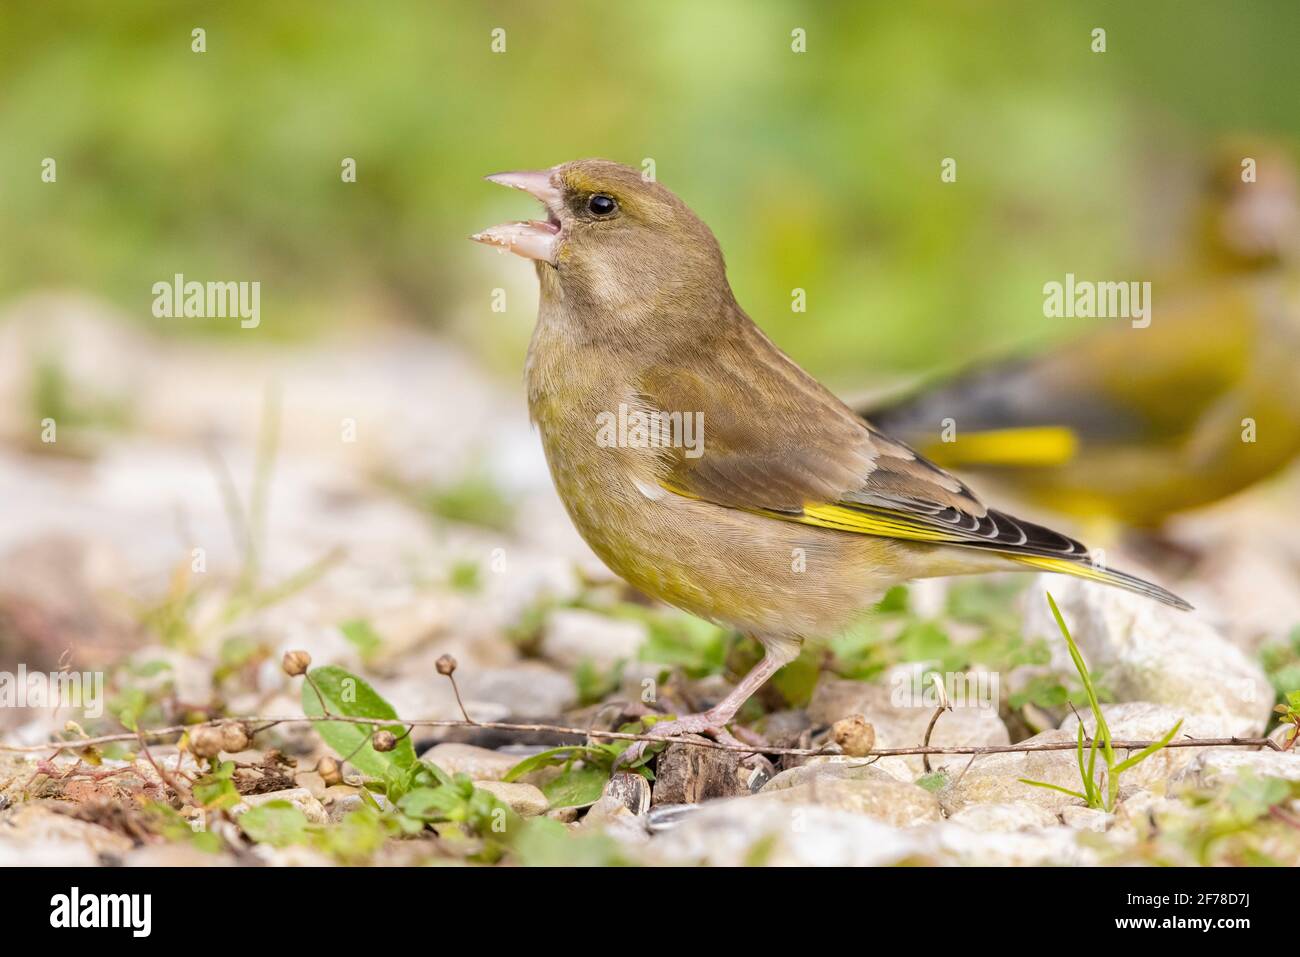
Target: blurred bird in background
x=1127, y=426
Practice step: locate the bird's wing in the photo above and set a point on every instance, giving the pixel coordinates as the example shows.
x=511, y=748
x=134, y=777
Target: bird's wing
x=776, y=442
x=1012, y=412
x=1116, y=386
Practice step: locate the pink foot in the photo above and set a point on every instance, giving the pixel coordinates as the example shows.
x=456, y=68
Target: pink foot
x=714, y=721
x=705, y=723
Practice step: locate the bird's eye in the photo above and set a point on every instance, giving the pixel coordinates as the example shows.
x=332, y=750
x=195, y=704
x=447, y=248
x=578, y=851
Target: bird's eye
x=602, y=205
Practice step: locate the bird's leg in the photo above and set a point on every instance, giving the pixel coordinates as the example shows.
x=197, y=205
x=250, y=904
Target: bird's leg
x=714, y=721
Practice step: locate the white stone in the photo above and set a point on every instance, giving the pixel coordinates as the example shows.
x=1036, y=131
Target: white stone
x=481, y=764
x=1145, y=651
x=995, y=778
x=526, y=800
x=862, y=789
x=1004, y=818
x=574, y=635
x=739, y=831
x=1212, y=766
x=1085, y=818
x=301, y=798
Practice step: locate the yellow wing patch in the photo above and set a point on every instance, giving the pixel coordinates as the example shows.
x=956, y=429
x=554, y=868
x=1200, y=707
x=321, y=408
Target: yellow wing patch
x=889, y=525
x=1062, y=566
x=867, y=523
x=1038, y=445
x=844, y=519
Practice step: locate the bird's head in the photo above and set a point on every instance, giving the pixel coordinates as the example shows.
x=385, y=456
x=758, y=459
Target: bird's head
x=611, y=239
x=1252, y=204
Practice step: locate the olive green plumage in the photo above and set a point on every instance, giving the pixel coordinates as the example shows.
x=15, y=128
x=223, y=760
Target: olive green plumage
x=796, y=515
x=1135, y=425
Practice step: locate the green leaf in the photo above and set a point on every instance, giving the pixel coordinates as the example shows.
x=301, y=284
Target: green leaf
x=277, y=823
x=1053, y=787
x=465, y=576
x=474, y=500
x=490, y=817
x=434, y=804
x=127, y=707
x=692, y=644
x=357, y=836
x=985, y=602
x=216, y=791
x=561, y=755
x=861, y=651
x=1251, y=796
x=363, y=637
x=895, y=600
x=346, y=694
x=797, y=680
x=595, y=684
x=1083, y=771
x=398, y=781
x=151, y=668
x=576, y=787
x=929, y=641
x=1043, y=691
x=933, y=782
x=1102, y=733
x=541, y=842
x=167, y=822
x=1147, y=751
x=1094, y=796
x=1086, y=773
x=429, y=769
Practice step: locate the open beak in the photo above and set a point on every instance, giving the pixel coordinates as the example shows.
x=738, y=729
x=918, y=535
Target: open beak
x=533, y=239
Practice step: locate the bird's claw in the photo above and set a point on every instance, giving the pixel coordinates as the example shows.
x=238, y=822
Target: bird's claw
x=703, y=724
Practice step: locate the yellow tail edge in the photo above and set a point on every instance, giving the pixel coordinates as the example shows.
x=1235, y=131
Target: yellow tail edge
x=1105, y=576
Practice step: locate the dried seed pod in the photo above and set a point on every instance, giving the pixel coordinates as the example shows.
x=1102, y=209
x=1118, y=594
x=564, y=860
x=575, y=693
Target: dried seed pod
x=296, y=663
x=329, y=771
x=383, y=740
x=855, y=735
x=236, y=736
x=446, y=664
x=206, y=741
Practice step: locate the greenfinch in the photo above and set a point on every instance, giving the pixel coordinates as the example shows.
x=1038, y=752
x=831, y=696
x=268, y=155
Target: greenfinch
x=703, y=465
x=1126, y=426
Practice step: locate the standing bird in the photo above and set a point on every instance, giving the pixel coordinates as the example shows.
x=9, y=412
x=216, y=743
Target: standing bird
x=1124, y=426
x=792, y=516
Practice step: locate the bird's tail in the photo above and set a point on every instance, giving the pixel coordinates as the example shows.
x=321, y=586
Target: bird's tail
x=1107, y=576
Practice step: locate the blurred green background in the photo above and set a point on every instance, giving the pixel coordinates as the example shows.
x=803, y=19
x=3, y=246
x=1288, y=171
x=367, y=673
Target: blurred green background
x=817, y=170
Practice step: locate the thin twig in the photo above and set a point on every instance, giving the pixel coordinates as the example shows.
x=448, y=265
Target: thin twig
x=964, y=770
x=460, y=704
x=270, y=721
x=365, y=739
x=944, y=705
x=183, y=791
x=311, y=682
x=1285, y=816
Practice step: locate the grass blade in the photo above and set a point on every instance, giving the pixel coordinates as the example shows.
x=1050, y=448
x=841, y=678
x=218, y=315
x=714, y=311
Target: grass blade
x=1103, y=730
x=1146, y=752
x=1053, y=787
